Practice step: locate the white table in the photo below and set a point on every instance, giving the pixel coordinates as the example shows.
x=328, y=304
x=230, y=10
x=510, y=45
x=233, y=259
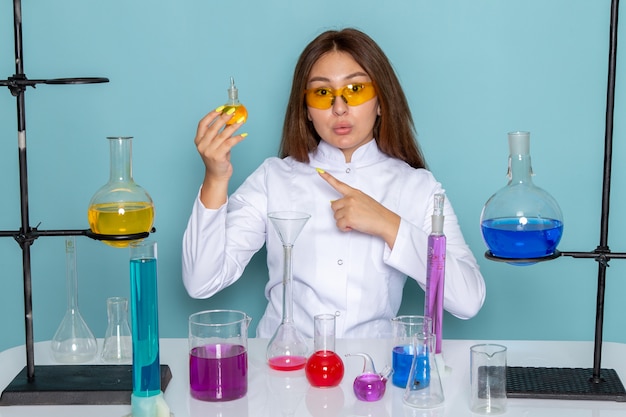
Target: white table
x=273, y=393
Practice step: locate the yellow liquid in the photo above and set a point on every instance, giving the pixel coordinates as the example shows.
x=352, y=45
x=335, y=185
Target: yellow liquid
x=124, y=218
x=240, y=110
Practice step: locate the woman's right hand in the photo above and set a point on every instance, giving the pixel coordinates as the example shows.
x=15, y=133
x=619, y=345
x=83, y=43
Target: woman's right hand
x=214, y=141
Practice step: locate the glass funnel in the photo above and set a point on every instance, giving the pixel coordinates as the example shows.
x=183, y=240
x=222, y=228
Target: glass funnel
x=120, y=207
x=73, y=341
x=521, y=220
x=287, y=349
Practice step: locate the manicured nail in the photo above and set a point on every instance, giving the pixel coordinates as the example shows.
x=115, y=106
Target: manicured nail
x=231, y=111
x=320, y=170
x=243, y=135
x=220, y=108
x=241, y=119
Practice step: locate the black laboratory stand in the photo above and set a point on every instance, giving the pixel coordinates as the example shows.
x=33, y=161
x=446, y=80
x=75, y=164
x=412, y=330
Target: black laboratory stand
x=55, y=384
x=581, y=383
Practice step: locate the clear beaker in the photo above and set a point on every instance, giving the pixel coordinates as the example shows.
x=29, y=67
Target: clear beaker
x=218, y=355
x=521, y=220
x=118, y=342
x=488, y=378
x=423, y=388
x=73, y=341
x=121, y=206
x=324, y=368
x=403, y=329
x=287, y=350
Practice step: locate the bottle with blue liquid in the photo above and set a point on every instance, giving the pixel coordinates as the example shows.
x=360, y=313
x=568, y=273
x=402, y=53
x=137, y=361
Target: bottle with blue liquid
x=521, y=221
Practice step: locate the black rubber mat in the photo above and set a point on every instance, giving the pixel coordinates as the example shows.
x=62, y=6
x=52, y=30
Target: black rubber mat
x=563, y=383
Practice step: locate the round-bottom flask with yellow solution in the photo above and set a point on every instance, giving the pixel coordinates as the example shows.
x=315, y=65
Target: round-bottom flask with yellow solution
x=234, y=104
x=121, y=207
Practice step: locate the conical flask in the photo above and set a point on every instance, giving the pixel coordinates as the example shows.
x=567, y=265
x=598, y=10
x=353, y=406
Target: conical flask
x=287, y=349
x=424, y=389
x=118, y=342
x=73, y=341
x=521, y=220
x=120, y=207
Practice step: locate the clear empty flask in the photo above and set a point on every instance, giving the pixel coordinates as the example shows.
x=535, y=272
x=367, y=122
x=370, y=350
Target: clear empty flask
x=423, y=388
x=287, y=349
x=521, y=220
x=73, y=341
x=118, y=341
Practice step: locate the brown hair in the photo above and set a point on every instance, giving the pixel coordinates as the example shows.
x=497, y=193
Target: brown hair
x=394, y=129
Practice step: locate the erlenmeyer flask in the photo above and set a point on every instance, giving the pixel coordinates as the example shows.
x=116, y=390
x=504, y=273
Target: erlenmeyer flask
x=521, y=220
x=287, y=349
x=118, y=342
x=121, y=206
x=424, y=389
x=73, y=341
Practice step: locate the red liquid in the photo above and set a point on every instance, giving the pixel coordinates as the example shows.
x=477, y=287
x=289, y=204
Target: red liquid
x=324, y=369
x=287, y=363
x=218, y=372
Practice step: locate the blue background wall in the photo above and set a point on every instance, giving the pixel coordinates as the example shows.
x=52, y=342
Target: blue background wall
x=473, y=71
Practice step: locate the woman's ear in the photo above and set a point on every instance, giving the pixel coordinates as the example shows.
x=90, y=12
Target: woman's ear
x=378, y=110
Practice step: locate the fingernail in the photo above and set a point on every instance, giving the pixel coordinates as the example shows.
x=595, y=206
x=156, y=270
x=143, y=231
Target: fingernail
x=320, y=170
x=241, y=119
x=220, y=108
x=231, y=111
x=243, y=135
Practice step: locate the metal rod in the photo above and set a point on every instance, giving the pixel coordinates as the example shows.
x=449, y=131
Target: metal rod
x=606, y=193
x=25, y=229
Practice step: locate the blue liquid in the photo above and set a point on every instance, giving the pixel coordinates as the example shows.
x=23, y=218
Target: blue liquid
x=401, y=360
x=145, y=327
x=508, y=238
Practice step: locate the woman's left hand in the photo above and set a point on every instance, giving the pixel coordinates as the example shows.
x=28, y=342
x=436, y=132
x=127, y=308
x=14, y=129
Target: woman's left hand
x=356, y=210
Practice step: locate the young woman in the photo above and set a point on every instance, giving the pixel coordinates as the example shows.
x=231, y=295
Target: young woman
x=349, y=158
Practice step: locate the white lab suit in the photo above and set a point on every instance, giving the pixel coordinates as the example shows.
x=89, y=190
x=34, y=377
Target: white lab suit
x=355, y=275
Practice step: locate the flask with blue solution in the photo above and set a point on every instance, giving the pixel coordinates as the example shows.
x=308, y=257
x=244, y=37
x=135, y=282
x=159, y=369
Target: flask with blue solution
x=521, y=221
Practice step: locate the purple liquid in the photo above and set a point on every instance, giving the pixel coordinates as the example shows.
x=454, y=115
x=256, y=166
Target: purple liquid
x=218, y=372
x=369, y=387
x=433, y=303
x=507, y=238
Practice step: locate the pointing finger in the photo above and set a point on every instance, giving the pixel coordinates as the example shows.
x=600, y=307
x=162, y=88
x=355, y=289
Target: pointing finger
x=341, y=187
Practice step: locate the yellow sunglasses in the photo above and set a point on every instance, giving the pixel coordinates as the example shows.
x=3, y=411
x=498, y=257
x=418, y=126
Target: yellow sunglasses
x=353, y=94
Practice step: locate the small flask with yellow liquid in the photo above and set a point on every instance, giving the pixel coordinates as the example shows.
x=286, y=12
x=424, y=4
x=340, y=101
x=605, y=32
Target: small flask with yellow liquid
x=233, y=102
x=120, y=207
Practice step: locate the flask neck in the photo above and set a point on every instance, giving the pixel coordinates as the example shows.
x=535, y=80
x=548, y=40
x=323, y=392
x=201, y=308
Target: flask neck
x=71, y=275
x=520, y=169
x=121, y=159
x=324, y=337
